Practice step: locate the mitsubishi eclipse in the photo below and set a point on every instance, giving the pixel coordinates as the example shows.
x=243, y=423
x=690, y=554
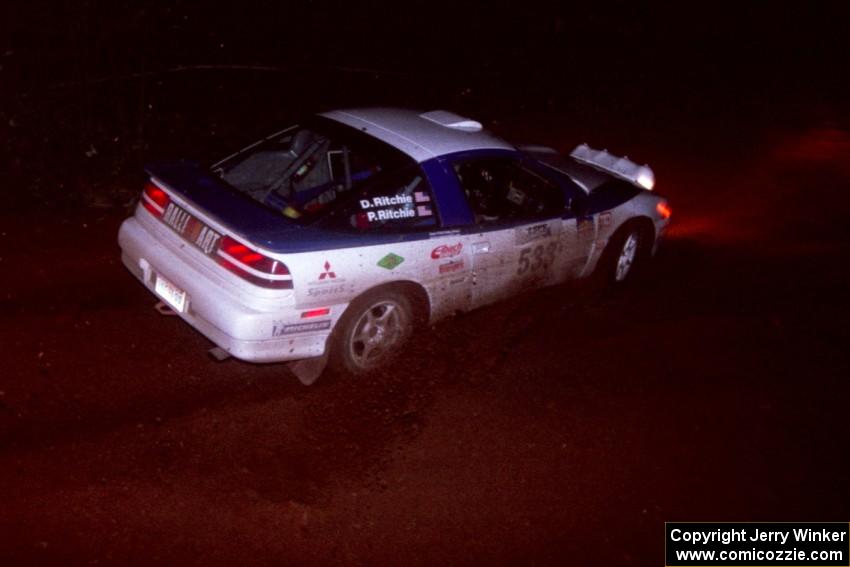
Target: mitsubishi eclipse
x=332, y=239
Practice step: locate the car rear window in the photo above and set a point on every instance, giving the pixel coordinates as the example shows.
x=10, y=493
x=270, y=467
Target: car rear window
x=305, y=170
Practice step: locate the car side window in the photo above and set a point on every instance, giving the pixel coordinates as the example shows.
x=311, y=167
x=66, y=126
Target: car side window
x=504, y=190
x=400, y=200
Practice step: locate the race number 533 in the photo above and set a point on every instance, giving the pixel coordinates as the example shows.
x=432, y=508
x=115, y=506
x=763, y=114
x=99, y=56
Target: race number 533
x=536, y=258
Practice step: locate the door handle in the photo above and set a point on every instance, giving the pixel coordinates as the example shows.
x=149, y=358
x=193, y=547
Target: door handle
x=480, y=247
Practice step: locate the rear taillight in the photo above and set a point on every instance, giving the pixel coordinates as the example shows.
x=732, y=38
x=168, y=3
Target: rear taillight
x=663, y=209
x=250, y=265
x=154, y=199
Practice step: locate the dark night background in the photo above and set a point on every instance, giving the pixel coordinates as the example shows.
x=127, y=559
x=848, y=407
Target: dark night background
x=185, y=79
x=562, y=427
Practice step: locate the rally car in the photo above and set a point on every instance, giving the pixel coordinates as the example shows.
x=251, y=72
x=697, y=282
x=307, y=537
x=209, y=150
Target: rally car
x=332, y=239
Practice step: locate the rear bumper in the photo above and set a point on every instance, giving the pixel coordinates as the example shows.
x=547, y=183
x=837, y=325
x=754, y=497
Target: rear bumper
x=254, y=333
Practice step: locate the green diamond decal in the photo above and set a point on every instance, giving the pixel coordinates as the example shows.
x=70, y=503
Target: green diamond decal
x=390, y=261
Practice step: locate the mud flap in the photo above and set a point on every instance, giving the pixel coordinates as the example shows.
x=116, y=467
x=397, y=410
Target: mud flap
x=219, y=353
x=308, y=370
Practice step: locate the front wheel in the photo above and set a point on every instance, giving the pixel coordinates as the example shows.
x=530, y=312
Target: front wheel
x=372, y=332
x=624, y=255
x=627, y=257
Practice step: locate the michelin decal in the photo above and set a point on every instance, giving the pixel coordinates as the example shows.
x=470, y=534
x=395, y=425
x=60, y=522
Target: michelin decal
x=279, y=330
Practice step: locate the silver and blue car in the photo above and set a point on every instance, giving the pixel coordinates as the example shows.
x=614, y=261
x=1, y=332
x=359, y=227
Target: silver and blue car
x=331, y=240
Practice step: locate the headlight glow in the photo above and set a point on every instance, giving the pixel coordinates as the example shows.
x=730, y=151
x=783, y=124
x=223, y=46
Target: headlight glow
x=646, y=180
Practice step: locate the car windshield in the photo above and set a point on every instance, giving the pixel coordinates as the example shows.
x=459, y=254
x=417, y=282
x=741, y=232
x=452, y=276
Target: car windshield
x=304, y=170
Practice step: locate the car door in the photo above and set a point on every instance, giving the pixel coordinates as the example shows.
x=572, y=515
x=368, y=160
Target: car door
x=517, y=241
x=395, y=217
x=582, y=222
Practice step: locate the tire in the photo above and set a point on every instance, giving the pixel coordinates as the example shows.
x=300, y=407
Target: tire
x=372, y=332
x=624, y=256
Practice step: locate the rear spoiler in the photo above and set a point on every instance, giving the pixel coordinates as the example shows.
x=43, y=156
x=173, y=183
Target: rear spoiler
x=622, y=167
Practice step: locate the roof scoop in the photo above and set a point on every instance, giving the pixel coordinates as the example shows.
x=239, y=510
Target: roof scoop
x=452, y=120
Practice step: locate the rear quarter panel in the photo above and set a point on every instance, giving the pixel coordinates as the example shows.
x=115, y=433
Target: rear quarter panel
x=337, y=277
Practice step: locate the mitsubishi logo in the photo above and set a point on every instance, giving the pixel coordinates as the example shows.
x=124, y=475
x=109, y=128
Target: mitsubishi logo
x=327, y=273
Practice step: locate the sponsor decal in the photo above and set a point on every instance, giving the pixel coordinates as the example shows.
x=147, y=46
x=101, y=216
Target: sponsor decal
x=446, y=251
x=451, y=267
x=190, y=228
x=323, y=290
x=604, y=220
x=328, y=283
x=176, y=218
x=279, y=330
x=390, y=261
x=526, y=234
x=327, y=273
x=207, y=239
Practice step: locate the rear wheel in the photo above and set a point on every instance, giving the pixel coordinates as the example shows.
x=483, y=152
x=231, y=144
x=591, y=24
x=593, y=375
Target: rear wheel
x=372, y=332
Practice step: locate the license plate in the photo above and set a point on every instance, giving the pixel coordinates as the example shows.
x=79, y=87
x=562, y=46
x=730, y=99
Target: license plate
x=173, y=295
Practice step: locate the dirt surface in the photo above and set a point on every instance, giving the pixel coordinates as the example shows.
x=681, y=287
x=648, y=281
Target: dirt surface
x=563, y=427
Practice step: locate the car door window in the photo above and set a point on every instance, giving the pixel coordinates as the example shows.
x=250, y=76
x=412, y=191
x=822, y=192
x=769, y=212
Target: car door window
x=504, y=190
x=400, y=200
